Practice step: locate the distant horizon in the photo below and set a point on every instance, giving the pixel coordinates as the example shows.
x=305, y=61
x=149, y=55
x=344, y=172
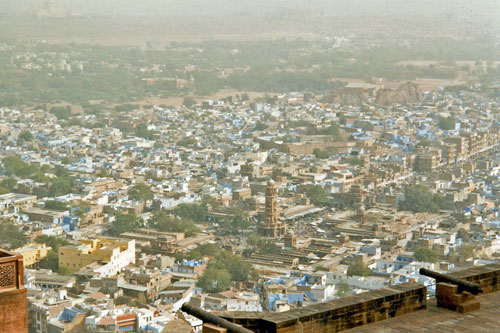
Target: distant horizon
x=472, y=9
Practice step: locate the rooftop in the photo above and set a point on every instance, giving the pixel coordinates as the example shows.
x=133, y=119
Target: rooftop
x=435, y=319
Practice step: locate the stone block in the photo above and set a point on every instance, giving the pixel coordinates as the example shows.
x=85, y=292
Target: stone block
x=443, y=288
x=469, y=306
x=467, y=297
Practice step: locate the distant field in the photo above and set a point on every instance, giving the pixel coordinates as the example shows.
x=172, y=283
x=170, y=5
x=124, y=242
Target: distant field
x=136, y=31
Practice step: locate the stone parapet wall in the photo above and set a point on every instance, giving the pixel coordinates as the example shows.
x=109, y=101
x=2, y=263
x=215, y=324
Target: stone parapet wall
x=487, y=276
x=339, y=314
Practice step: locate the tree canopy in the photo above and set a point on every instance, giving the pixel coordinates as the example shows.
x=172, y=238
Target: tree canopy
x=195, y=212
x=56, y=205
x=342, y=289
x=419, y=199
x=225, y=268
x=237, y=220
x=142, y=131
x=52, y=241
x=61, y=112
x=124, y=223
x=426, y=255
x=13, y=165
x=447, y=123
x=25, y=136
x=140, y=192
x=358, y=269
x=316, y=194
x=161, y=221
x=11, y=234
x=320, y=153
x=9, y=184
x=214, y=280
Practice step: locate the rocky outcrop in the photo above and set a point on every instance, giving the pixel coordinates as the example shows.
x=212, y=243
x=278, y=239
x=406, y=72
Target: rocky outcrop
x=404, y=94
x=347, y=96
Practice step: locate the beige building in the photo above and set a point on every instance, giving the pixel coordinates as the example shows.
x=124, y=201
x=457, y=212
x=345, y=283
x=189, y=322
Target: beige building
x=114, y=254
x=33, y=253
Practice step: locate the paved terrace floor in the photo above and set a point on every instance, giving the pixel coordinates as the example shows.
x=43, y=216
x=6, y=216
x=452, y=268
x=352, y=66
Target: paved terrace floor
x=435, y=319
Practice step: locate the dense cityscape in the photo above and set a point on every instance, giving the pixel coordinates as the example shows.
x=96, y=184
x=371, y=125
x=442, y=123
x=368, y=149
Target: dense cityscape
x=250, y=180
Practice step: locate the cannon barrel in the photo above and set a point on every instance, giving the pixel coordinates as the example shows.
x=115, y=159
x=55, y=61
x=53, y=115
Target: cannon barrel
x=463, y=285
x=211, y=318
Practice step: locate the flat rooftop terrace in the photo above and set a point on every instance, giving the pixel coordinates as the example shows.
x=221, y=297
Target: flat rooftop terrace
x=435, y=319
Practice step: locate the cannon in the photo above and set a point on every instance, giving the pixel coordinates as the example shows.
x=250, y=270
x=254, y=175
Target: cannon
x=463, y=285
x=211, y=318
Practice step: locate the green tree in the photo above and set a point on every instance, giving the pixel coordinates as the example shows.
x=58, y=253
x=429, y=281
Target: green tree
x=11, y=234
x=352, y=161
x=238, y=268
x=124, y=223
x=320, y=154
x=418, y=199
x=195, y=212
x=63, y=270
x=56, y=205
x=161, y=221
x=260, y=126
x=52, y=241
x=214, y=280
x=13, y=165
x=60, y=186
x=25, y=135
x=253, y=240
x=237, y=220
x=140, y=192
x=316, y=194
x=342, y=289
x=65, y=160
x=225, y=268
x=142, y=131
x=334, y=131
x=9, y=183
x=208, y=250
x=267, y=246
x=358, y=269
x=426, y=255
x=51, y=261
x=61, y=112
x=447, y=123
x=186, y=141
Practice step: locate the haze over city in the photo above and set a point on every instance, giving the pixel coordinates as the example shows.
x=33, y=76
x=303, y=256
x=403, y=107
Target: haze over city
x=249, y=166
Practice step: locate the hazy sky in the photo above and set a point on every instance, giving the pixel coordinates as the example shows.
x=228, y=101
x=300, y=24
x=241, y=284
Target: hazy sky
x=469, y=8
